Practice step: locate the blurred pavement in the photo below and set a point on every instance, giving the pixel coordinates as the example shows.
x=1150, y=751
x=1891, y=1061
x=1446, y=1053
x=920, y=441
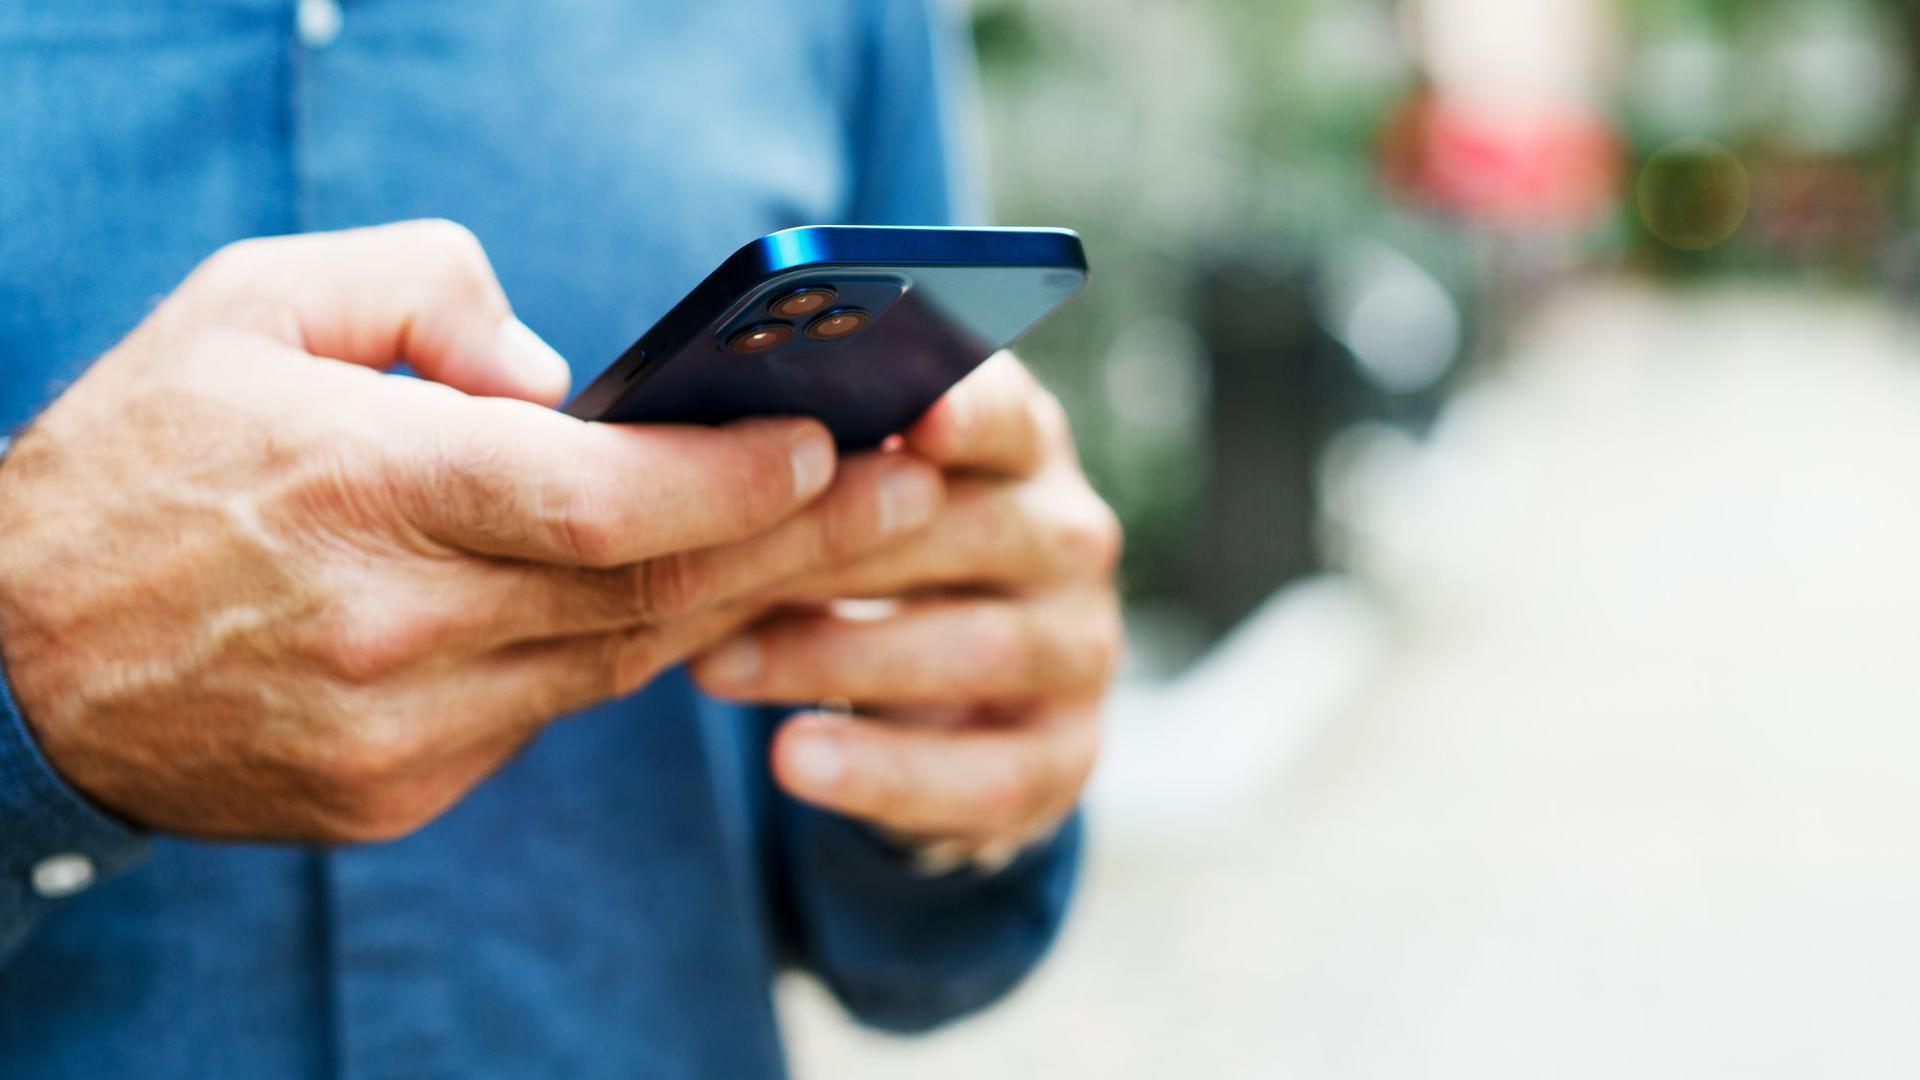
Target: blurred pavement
x=1615, y=775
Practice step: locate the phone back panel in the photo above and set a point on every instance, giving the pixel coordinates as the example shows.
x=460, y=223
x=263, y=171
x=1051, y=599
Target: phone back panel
x=941, y=300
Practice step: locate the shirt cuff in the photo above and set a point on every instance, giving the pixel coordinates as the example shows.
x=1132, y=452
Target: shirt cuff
x=54, y=844
x=905, y=951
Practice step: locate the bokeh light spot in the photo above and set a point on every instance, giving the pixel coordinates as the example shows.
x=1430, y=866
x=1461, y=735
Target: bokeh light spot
x=1694, y=194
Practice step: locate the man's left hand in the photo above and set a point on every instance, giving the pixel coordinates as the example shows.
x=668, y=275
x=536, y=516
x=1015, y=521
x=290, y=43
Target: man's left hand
x=975, y=688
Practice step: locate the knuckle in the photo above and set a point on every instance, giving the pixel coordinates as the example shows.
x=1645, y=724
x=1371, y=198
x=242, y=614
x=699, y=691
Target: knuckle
x=361, y=647
x=455, y=241
x=837, y=535
x=884, y=785
x=509, y=504
x=477, y=485
x=232, y=261
x=1089, y=539
x=601, y=668
x=233, y=270
x=985, y=523
x=1007, y=789
x=1008, y=639
x=671, y=585
x=765, y=490
x=460, y=267
x=581, y=528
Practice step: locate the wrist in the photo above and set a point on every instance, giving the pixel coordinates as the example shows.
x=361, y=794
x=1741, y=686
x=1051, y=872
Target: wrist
x=56, y=843
x=31, y=661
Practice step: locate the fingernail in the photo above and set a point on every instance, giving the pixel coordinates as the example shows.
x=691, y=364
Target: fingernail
x=812, y=464
x=736, y=663
x=816, y=762
x=908, y=498
x=533, y=361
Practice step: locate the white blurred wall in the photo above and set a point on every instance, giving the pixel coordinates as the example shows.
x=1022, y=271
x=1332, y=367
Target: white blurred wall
x=1626, y=787
x=1515, y=56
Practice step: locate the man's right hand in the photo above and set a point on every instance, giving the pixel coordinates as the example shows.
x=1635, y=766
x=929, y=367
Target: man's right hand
x=252, y=588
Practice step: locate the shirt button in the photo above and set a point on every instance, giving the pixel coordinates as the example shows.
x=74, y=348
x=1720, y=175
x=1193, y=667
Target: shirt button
x=57, y=877
x=318, y=22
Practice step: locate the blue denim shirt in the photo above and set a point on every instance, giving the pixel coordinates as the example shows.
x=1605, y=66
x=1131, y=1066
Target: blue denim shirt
x=616, y=901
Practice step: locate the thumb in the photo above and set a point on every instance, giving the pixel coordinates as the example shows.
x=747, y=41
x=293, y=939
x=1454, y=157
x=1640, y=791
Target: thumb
x=422, y=292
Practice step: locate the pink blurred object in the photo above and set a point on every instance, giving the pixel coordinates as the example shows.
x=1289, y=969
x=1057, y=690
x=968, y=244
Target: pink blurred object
x=1506, y=170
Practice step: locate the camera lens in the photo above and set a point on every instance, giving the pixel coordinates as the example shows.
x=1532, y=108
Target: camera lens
x=762, y=338
x=835, y=325
x=804, y=302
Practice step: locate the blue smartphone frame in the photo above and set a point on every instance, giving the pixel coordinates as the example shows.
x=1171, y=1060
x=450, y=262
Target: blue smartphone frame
x=940, y=300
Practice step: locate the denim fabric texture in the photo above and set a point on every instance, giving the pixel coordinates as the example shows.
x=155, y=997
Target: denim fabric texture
x=618, y=900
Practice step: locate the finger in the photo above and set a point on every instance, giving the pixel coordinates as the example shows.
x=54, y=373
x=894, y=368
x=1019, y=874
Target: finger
x=1009, y=780
x=875, y=501
x=934, y=652
x=472, y=606
x=479, y=702
x=417, y=745
x=997, y=420
x=991, y=534
x=510, y=479
x=422, y=292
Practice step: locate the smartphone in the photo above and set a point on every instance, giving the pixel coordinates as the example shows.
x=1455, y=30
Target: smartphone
x=860, y=327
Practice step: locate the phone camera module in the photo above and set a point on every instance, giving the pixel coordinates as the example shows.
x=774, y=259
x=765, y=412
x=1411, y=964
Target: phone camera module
x=802, y=303
x=763, y=338
x=838, y=325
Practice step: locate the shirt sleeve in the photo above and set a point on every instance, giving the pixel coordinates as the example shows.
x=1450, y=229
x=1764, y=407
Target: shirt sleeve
x=918, y=148
x=902, y=951
x=53, y=843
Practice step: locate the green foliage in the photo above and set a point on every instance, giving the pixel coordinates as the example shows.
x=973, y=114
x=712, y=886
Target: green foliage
x=1176, y=135
x=1005, y=37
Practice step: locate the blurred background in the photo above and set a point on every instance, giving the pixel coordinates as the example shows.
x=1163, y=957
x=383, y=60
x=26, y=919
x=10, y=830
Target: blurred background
x=1515, y=412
